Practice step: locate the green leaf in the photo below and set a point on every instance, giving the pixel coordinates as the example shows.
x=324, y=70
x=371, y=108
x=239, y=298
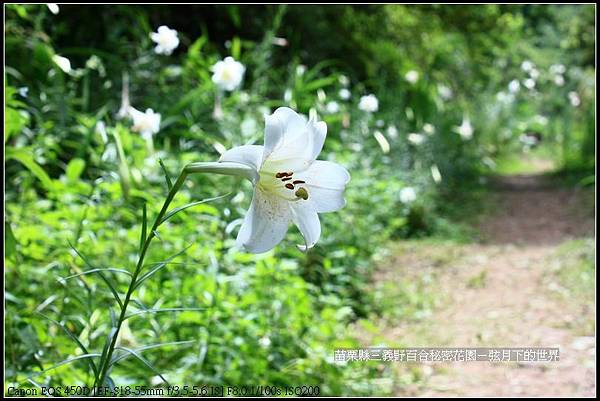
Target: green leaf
x=152, y=346
x=144, y=227
x=144, y=361
x=108, y=283
x=108, y=269
x=181, y=208
x=158, y=266
x=25, y=157
x=74, y=169
x=163, y=310
x=66, y=361
x=72, y=337
x=10, y=246
x=166, y=173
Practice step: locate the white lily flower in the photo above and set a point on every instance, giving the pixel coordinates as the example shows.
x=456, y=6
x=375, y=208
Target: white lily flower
x=514, y=86
x=534, y=73
x=574, y=99
x=332, y=107
x=559, y=80
x=428, y=128
x=558, y=69
x=147, y=123
x=416, y=139
x=53, y=7
x=62, y=62
x=290, y=184
x=527, y=66
x=465, y=130
x=382, y=141
x=369, y=103
x=412, y=77
x=529, y=83
x=408, y=195
x=228, y=74
x=166, y=40
x=445, y=92
x=344, y=94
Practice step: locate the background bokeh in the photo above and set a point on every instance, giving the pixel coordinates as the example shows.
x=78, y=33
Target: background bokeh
x=522, y=77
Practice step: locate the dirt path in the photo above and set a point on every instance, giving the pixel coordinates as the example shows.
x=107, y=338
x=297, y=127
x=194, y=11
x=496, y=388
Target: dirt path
x=502, y=291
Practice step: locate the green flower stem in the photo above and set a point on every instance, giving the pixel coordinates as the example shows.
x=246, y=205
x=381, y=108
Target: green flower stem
x=226, y=168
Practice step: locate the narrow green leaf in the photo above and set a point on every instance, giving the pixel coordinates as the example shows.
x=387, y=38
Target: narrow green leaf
x=66, y=361
x=181, y=208
x=10, y=246
x=159, y=266
x=144, y=361
x=162, y=310
x=24, y=156
x=108, y=283
x=166, y=173
x=108, y=269
x=144, y=226
x=152, y=346
x=72, y=337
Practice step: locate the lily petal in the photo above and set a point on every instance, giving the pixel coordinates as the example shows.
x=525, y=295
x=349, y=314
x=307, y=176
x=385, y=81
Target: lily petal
x=280, y=127
x=326, y=182
x=265, y=223
x=306, y=218
x=250, y=155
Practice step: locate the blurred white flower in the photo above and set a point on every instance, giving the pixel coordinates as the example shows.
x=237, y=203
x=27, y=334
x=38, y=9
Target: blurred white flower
x=332, y=107
x=264, y=342
x=166, y=40
x=428, y=128
x=529, y=83
x=289, y=183
x=527, y=65
x=300, y=69
x=412, y=77
x=101, y=130
x=382, y=141
x=369, y=103
x=528, y=140
x=228, y=74
x=539, y=119
x=62, y=62
x=416, y=139
x=574, y=99
x=392, y=132
x=147, y=123
x=514, y=86
x=445, y=92
x=344, y=80
x=23, y=91
x=504, y=97
x=249, y=127
x=53, y=7
x=408, y=195
x=344, y=94
x=277, y=41
x=435, y=174
x=287, y=95
x=465, y=130
x=534, y=73
x=558, y=69
x=559, y=80
x=379, y=123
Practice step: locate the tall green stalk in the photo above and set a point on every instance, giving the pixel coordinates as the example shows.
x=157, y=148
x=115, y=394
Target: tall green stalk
x=226, y=168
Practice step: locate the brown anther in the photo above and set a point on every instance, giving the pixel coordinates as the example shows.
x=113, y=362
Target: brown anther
x=289, y=186
x=299, y=182
x=289, y=174
x=279, y=175
x=286, y=178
